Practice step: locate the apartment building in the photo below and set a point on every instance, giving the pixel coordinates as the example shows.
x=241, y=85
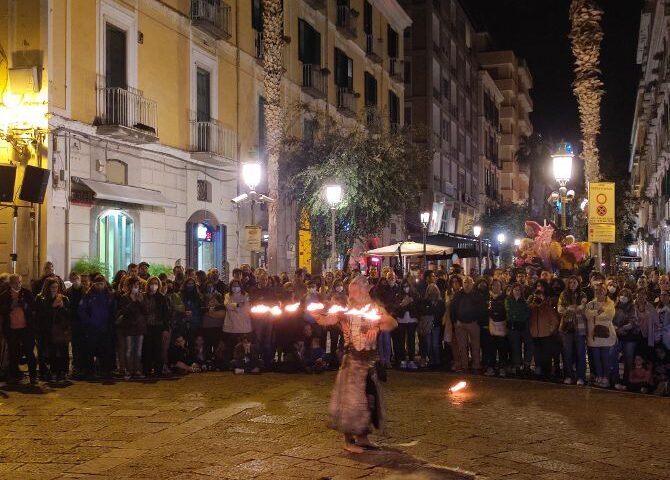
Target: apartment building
x=512, y=77
x=145, y=110
x=650, y=137
x=442, y=93
x=490, y=100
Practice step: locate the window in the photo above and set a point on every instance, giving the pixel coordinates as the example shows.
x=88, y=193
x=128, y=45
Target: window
x=392, y=42
x=308, y=129
x=257, y=15
x=203, y=96
x=117, y=172
x=115, y=239
x=408, y=114
x=367, y=17
x=408, y=71
x=309, y=44
x=115, y=57
x=344, y=70
x=394, y=109
x=370, y=90
x=204, y=191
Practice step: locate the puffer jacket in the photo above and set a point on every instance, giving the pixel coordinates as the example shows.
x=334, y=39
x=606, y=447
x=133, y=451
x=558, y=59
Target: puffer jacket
x=543, y=317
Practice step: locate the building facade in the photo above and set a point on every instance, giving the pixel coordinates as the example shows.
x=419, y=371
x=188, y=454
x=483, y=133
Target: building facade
x=147, y=108
x=650, y=137
x=490, y=99
x=512, y=77
x=442, y=94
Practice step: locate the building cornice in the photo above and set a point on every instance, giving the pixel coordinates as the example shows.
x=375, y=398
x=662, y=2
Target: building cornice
x=393, y=13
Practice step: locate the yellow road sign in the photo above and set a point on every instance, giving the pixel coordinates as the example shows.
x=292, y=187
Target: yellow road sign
x=601, y=203
x=602, y=233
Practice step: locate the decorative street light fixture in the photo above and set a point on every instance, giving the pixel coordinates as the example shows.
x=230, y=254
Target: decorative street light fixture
x=477, y=230
x=425, y=219
x=333, y=197
x=501, y=239
x=562, y=163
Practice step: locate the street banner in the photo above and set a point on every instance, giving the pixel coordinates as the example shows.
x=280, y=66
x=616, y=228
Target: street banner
x=602, y=232
x=601, y=203
x=252, y=238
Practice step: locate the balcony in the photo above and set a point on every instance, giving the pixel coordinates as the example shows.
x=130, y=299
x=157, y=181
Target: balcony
x=469, y=199
x=346, y=102
x=316, y=4
x=212, y=17
x=124, y=114
x=211, y=141
x=258, y=45
x=373, y=48
x=372, y=119
x=346, y=21
x=313, y=80
x=395, y=69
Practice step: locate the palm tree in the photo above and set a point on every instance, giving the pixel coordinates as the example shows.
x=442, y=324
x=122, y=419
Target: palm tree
x=273, y=39
x=586, y=35
x=532, y=157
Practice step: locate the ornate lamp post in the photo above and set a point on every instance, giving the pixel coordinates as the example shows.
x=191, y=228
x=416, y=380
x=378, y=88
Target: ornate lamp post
x=562, y=163
x=425, y=219
x=477, y=230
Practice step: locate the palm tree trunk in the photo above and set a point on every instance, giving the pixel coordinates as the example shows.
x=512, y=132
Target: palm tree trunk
x=273, y=22
x=586, y=35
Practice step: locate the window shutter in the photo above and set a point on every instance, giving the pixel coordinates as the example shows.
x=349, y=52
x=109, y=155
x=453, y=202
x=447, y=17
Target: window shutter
x=257, y=15
x=392, y=42
x=340, y=68
x=367, y=17
x=370, y=90
x=309, y=44
x=302, y=41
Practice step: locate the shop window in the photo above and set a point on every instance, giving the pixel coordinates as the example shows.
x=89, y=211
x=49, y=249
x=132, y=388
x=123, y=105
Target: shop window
x=116, y=231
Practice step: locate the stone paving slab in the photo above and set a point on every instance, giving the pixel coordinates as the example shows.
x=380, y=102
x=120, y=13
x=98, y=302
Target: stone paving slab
x=218, y=425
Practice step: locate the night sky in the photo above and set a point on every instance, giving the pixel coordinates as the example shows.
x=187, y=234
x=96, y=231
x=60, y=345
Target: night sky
x=538, y=31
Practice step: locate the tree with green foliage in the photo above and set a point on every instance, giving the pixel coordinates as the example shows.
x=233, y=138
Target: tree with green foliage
x=510, y=219
x=381, y=175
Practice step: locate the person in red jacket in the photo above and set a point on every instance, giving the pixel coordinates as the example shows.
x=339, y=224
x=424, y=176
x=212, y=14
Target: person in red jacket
x=543, y=325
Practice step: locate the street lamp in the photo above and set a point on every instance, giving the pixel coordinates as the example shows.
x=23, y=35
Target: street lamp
x=333, y=197
x=517, y=242
x=562, y=163
x=477, y=230
x=425, y=219
x=501, y=239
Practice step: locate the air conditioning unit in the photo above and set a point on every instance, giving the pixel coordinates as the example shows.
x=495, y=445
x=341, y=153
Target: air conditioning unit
x=24, y=80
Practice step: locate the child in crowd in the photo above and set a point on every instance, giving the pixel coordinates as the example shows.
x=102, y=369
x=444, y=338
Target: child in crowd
x=316, y=360
x=640, y=377
x=200, y=355
x=245, y=357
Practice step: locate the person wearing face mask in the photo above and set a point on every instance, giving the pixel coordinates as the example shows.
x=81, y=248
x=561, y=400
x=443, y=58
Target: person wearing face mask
x=572, y=330
x=262, y=325
x=238, y=318
x=53, y=331
x=96, y=311
x=132, y=314
x=75, y=294
x=647, y=316
x=16, y=311
x=468, y=307
x=157, y=319
x=612, y=290
x=386, y=292
x=312, y=296
x=214, y=311
x=404, y=337
x=628, y=335
x=543, y=325
x=601, y=335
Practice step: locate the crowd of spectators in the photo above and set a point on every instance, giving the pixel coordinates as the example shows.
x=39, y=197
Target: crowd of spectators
x=609, y=332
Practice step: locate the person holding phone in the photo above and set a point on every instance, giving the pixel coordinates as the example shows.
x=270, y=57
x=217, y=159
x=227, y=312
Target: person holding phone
x=601, y=335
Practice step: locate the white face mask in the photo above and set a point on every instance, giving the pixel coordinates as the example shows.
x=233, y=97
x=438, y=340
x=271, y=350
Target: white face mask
x=135, y=290
x=76, y=283
x=339, y=289
x=153, y=287
x=406, y=289
x=16, y=290
x=611, y=289
x=236, y=289
x=623, y=300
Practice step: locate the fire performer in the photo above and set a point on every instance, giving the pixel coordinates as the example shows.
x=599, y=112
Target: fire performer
x=356, y=405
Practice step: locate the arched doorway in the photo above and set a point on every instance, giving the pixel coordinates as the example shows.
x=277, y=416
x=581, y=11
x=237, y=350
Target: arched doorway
x=205, y=241
x=116, y=234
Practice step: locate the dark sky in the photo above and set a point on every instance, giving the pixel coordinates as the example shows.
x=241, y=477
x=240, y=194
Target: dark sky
x=537, y=30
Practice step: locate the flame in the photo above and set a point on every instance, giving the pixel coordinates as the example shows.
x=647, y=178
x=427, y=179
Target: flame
x=313, y=307
x=334, y=309
x=276, y=310
x=458, y=387
x=260, y=309
x=292, y=307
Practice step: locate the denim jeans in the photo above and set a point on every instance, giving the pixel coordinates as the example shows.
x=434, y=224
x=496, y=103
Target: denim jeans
x=516, y=337
x=435, y=346
x=383, y=347
x=574, y=353
x=601, y=360
x=134, y=353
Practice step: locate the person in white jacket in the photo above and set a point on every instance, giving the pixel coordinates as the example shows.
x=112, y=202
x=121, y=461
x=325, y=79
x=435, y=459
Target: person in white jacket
x=601, y=336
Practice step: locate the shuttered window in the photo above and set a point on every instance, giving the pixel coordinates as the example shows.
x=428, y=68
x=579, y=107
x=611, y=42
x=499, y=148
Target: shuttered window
x=309, y=43
x=344, y=70
x=370, y=90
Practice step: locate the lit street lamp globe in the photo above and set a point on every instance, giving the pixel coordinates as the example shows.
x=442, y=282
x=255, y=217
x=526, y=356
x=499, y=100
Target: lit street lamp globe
x=501, y=238
x=251, y=174
x=425, y=219
x=333, y=195
x=477, y=230
x=562, y=163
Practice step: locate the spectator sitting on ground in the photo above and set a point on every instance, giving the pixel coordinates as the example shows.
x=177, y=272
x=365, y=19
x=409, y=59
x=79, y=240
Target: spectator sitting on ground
x=640, y=377
x=200, y=355
x=245, y=357
x=178, y=356
x=316, y=360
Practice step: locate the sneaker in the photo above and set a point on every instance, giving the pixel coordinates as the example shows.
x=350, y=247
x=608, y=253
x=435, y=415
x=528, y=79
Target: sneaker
x=489, y=372
x=238, y=371
x=403, y=365
x=620, y=386
x=411, y=365
x=568, y=381
x=581, y=382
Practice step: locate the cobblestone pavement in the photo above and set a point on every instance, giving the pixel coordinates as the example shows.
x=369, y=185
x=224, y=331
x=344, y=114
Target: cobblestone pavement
x=272, y=426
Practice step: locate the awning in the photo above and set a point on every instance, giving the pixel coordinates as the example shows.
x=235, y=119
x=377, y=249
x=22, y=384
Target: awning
x=408, y=249
x=125, y=193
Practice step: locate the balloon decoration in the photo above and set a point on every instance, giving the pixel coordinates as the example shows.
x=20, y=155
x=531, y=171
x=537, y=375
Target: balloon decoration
x=546, y=247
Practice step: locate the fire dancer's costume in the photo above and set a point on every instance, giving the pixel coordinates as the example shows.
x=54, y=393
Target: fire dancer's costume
x=356, y=405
